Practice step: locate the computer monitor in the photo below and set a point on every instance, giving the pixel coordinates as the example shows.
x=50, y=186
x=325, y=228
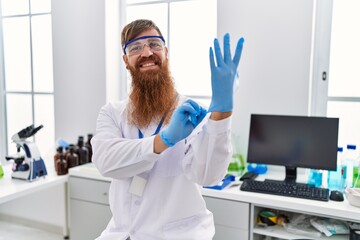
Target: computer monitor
x=293, y=141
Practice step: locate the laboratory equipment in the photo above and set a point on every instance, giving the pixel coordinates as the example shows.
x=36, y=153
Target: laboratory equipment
x=337, y=179
x=293, y=142
x=287, y=189
x=28, y=165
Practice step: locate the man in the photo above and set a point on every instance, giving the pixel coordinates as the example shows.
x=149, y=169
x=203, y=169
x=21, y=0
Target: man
x=160, y=148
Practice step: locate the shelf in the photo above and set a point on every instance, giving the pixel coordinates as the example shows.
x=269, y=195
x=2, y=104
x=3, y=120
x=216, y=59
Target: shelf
x=280, y=232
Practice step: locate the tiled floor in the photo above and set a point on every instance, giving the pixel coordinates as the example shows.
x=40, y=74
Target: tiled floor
x=11, y=231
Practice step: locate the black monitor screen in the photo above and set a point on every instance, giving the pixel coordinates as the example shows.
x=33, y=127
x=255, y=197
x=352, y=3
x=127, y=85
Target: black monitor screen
x=293, y=141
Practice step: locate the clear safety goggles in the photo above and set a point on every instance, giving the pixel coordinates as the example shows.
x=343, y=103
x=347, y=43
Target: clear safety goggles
x=136, y=46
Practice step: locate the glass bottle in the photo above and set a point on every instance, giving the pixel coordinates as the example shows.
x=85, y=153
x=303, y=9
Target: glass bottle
x=72, y=158
x=59, y=151
x=82, y=151
x=61, y=165
x=88, y=145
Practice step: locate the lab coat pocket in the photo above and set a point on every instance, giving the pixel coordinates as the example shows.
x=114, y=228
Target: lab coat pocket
x=198, y=227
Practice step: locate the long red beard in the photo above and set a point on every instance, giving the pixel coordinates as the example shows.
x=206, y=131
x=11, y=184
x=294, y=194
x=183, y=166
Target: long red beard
x=152, y=95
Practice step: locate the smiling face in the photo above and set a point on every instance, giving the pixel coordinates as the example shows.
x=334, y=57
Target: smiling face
x=152, y=88
x=148, y=58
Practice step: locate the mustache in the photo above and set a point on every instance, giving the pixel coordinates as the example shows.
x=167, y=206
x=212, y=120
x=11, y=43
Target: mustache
x=153, y=58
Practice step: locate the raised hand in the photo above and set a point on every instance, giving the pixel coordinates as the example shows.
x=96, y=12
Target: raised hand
x=223, y=75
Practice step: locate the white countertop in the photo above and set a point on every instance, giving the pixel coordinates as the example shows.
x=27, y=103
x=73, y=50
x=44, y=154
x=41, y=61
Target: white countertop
x=87, y=171
x=13, y=188
x=340, y=210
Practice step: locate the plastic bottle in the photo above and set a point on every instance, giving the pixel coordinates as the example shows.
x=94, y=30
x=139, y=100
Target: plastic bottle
x=257, y=168
x=1, y=171
x=356, y=173
x=336, y=179
x=315, y=177
x=350, y=157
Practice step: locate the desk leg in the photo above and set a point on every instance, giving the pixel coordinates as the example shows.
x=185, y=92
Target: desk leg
x=66, y=219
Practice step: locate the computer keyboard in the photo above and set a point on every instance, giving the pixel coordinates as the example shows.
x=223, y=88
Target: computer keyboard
x=288, y=189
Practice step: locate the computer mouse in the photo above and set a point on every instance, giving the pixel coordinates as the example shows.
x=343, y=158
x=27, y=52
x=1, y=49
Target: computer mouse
x=336, y=196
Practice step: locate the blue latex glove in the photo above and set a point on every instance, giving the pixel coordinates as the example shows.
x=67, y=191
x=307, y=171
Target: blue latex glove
x=223, y=75
x=183, y=121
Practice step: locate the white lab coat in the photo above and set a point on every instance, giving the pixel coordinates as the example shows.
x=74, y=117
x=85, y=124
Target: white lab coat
x=171, y=205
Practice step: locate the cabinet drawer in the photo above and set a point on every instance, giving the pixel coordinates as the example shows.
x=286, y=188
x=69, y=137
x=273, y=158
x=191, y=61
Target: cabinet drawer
x=87, y=220
x=89, y=190
x=227, y=233
x=229, y=213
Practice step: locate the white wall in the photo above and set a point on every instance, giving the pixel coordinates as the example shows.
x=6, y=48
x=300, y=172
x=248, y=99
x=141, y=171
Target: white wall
x=79, y=65
x=80, y=89
x=275, y=65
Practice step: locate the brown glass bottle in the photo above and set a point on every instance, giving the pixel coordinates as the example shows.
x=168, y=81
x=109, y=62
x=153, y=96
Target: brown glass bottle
x=72, y=158
x=59, y=151
x=82, y=151
x=88, y=145
x=61, y=165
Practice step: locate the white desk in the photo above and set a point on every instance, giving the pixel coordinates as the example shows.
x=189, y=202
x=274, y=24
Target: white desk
x=235, y=212
x=258, y=202
x=15, y=188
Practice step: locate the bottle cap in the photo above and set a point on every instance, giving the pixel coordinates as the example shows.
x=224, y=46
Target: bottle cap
x=350, y=146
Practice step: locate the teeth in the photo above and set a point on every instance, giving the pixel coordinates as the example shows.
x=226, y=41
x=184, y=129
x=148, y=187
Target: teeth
x=148, y=64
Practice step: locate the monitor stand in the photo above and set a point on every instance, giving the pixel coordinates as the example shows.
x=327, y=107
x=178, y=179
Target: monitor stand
x=290, y=175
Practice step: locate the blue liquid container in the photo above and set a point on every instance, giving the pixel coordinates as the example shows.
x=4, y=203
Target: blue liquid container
x=315, y=177
x=257, y=168
x=337, y=179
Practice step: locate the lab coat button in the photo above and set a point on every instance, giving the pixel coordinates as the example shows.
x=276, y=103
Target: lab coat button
x=137, y=202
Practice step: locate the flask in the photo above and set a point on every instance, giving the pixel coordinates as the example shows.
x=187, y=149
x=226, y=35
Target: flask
x=350, y=157
x=336, y=179
x=237, y=165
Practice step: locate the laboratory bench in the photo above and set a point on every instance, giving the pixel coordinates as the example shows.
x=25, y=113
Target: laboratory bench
x=11, y=189
x=235, y=212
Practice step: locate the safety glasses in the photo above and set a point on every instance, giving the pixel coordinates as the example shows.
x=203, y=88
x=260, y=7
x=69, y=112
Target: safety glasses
x=136, y=46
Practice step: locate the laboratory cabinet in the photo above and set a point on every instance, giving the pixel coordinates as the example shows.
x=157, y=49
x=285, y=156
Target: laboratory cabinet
x=235, y=212
x=231, y=218
x=278, y=232
x=88, y=206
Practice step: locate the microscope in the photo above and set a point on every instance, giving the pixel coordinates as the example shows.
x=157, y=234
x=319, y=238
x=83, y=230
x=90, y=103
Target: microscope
x=29, y=166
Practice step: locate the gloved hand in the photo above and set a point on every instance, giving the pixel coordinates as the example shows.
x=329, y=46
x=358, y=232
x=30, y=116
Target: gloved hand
x=223, y=75
x=184, y=120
